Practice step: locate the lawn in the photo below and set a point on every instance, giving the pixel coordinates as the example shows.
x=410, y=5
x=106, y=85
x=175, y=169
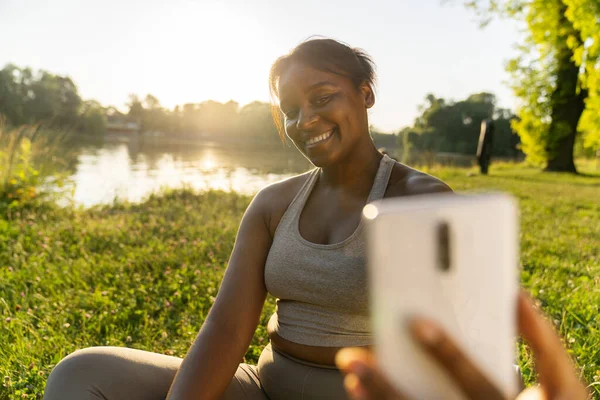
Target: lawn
x=145, y=275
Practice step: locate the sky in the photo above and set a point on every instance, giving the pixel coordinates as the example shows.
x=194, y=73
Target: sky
x=193, y=50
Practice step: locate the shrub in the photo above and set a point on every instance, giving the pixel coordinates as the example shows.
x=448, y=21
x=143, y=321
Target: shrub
x=30, y=169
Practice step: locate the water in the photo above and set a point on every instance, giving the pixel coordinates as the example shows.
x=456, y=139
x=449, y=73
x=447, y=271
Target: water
x=133, y=170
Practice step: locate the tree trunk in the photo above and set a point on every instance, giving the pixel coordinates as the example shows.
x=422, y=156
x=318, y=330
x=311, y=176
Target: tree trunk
x=567, y=107
x=568, y=103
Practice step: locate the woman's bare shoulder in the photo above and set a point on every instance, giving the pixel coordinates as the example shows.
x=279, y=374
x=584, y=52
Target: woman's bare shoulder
x=275, y=198
x=407, y=181
x=284, y=191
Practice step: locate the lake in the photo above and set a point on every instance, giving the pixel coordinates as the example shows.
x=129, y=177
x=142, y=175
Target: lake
x=133, y=170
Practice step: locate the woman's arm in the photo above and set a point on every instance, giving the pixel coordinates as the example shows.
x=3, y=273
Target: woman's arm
x=213, y=358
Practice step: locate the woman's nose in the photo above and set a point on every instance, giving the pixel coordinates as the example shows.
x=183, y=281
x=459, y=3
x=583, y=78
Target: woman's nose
x=306, y=118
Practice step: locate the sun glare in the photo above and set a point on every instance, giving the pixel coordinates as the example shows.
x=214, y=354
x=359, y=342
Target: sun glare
x=219, y=53
x=208, y=163
x=207, y=160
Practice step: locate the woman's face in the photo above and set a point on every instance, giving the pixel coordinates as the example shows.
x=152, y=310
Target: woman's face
x=325, y=113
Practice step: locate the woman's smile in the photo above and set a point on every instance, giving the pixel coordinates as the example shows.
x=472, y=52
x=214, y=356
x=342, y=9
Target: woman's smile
x=319, y=140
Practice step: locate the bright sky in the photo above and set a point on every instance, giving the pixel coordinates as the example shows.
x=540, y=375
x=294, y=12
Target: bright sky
x=194, y=50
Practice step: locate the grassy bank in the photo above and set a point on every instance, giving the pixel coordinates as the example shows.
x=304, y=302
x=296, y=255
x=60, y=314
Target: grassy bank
x=145, y=275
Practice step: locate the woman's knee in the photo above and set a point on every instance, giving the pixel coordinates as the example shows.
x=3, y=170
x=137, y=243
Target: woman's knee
x=81, y=362
x=77, y=372
x=112, y=372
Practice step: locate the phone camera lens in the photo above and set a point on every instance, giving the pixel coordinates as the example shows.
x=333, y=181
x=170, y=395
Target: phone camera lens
x=443, y=240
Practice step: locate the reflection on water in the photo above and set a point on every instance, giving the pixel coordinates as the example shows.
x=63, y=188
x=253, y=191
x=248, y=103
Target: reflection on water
x=134, y=170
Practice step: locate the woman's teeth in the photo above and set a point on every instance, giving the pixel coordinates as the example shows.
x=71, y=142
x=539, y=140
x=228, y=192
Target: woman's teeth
x=319, y=138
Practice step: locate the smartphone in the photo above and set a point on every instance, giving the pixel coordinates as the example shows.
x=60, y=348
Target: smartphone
x=453, y=259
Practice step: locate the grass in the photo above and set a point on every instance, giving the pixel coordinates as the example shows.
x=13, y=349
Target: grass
x=145, y=275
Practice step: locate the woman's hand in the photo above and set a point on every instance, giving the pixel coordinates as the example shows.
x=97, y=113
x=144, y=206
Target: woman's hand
x=557, y=377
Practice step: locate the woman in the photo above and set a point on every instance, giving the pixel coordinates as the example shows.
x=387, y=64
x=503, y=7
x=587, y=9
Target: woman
x=300, y=240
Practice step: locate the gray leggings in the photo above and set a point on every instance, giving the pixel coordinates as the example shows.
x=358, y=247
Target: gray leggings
x=115, y=373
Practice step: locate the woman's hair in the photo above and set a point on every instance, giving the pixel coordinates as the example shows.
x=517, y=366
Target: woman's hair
x=326, y=55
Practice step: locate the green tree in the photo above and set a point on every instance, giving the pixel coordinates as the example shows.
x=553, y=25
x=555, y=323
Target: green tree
x=54, y=100
x=406, y=141
x=584, y=15
x=93, y=118
x=454, y=127
x=555, y=75
x=43, y=97
x=153, y=117
x=15, y=93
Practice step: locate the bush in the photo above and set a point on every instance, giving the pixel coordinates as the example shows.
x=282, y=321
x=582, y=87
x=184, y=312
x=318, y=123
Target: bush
x=30, y=171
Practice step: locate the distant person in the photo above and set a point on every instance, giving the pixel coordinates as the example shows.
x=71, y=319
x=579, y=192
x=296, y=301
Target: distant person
x=486, y=142
x=300, y=240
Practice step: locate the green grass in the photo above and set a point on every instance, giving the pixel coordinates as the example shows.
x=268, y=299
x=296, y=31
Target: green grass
x=145, y=275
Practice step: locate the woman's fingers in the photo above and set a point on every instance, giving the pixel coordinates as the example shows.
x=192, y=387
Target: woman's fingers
x=443, y=349
x=364, y=380
x=557, y=376
x=552, y=362
x=532, y=393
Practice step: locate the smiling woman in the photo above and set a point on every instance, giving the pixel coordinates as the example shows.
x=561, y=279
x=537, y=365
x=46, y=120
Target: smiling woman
x=319, y=86
x=300, y=240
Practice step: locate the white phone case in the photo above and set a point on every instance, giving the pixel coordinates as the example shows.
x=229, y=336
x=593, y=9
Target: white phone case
x=474, y=301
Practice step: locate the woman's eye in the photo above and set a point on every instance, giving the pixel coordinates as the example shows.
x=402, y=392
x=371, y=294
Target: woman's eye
x=291, y=114
x=322, y=100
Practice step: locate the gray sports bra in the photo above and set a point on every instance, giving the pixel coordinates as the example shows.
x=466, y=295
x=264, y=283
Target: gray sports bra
x=321, y=290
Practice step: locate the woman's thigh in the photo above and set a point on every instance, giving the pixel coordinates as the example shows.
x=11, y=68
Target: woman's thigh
x=245, y=385
x=112, y=373
x=283, y=377
x=118, y=373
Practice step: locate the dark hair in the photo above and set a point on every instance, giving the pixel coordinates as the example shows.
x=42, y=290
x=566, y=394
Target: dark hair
x=326, y=55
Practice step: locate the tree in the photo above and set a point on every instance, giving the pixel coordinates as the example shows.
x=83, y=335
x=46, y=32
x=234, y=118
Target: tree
x=255, y=120
x=175, y=123
x=43, y=97
x=15, y=93
x=151, y=102
x=136, y=109
x=215, y=117
x=54, y=100
x=454, y=127
x=555, y=75
x=93, y=118
x=406, y=141
x=189, y=116
x=152, y=116
x=585, y=14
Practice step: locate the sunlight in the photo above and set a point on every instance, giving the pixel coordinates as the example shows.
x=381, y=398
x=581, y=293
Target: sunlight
x=208, y=163
x=207, y=160
x=219, y=54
